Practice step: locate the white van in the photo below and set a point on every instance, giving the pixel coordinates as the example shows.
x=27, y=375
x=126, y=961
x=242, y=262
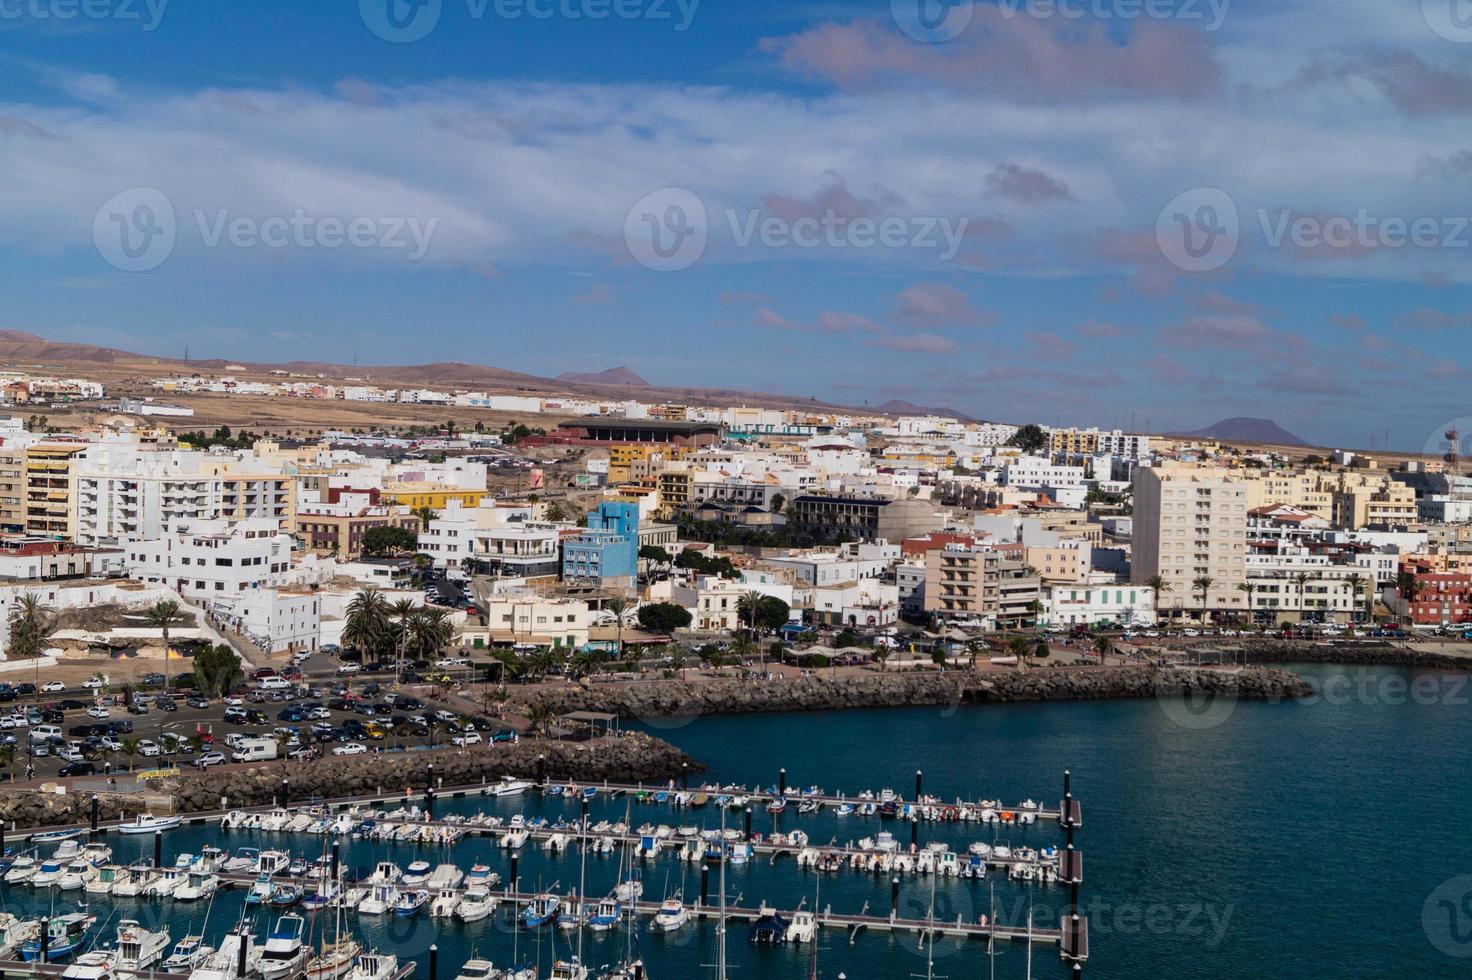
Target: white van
x=257, y=749
x=272, y=684
x=43, y=732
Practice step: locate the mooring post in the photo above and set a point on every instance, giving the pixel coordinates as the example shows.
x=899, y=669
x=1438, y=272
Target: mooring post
x=241, y=954
x=894, y=898
x=96, y=811
x=45, y=939
x=285, y=790
x=914, y=832
x=782, y=783
x=748, y=823
x=704, y=885
x=684, y=775
x=541, y=770
x=434, y=961
x=919, y=781
x=158, y=849
x=336, y=858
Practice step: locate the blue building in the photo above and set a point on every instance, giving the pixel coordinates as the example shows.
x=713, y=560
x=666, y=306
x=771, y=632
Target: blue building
x=608, y=548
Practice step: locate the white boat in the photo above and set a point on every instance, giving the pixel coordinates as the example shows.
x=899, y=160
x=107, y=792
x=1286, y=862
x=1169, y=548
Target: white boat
x=187, y=954
x=197, y=885
x=139, y=948
x=98, y=853
x=285, y=952
x=107, y=876
x=21, y=870
x=410, y=901
x=13, y=932
x=630, y=890
x=380, y=899
x=475, y=905
x=445, y=876
x=131, y=881
x=99, y=965
x=802, y=928
x=568, y=970
x=515, y=839
x=48, y=874
x=444, y=904
x=672, y=915
x=416, y=874
x=385, y=873
x=147, y=823
x=376, y=966
x=508, y=787
x=223, y=963
x=272, y=863
x=77, y=874
x=163, y=885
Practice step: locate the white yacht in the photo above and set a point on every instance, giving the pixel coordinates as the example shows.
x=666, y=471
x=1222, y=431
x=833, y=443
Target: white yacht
x=672, y=915
x=76, y=875
x=100, y=965
x=385, y=873
x=475, y=905
x=188, y=953
x=223, y=963
x=107, y=876
x=21, y=870
x=131, y=881
x=139, y=948
x=802, y=928
x=197, y=885
x=380, y=899
x=286, y=952
x=445, y=902
x=508, y=787
x=48, y=874
x=163, y=885
x=416, y=874
x=375, y=966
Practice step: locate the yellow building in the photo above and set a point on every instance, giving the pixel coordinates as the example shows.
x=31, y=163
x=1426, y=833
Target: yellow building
x=622, y=459
x=436, y=496
x=12, y=489
x=50, y=477
x=1074, y=442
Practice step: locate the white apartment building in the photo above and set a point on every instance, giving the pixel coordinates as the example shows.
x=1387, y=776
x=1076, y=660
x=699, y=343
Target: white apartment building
x=506, y=538
x=1190, y=523
x=1127, y=445
x=276, y=620
x=203, y=560
x=523, y=617
x=714, y=603
x=863, y=603
x=849, y=563
x=1037, y=471
x=1090, y=603
x=1295, y=583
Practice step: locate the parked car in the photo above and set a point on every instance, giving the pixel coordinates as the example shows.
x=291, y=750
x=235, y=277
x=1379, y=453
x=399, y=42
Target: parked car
x=349, y=748
x=207, y=759
x=197, y=702
x=92, y=683
x=98, y=711
x=149, y=749
x=52, y=687
x=469, y=738
x=78, y=768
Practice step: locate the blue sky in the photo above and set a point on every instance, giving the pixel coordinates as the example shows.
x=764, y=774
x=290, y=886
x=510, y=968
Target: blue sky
x=1213, y=209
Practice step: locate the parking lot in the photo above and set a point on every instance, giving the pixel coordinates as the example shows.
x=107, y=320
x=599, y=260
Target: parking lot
x=76, y=731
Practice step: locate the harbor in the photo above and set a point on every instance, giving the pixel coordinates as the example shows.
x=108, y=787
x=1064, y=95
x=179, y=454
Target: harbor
x=544, y=838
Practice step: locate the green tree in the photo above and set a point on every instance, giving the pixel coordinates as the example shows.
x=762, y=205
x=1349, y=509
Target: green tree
x=1029, y=438
x=1019, y=647
x=130, y=749
x=539, y=716
x=678, y=659
x=1362, y=598
x=663, y=617
x=1248, y=589
x=31, y=627
x=368, y=620
x=389, y=540
x=1158, y=586
x=161, y=615
x=618, y=605
x=882, y=654
x=216, y=669
x=1202, y=584
x=1301, y=580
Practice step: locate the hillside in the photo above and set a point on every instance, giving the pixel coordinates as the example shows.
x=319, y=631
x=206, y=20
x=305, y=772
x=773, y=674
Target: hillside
x=1247, y=430
x=613, y=376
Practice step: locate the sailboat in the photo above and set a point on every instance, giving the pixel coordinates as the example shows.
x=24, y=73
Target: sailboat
x=337, y=957
x=632, y=967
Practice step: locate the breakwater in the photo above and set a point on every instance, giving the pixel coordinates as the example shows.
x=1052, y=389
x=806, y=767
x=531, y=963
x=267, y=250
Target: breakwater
x=1385, y=654
x=633, y=757
x=816, y=692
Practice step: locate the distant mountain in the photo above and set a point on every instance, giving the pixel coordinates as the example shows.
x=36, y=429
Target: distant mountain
x=1247, y=430
x=896, y=406
x=613, y=376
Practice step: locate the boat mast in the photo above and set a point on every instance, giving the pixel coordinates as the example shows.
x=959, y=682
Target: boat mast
x=582, y=911
x=721, y=927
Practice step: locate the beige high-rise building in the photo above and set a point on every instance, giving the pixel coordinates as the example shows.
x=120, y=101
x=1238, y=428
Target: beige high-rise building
x=1190, y=523
x=12, y=489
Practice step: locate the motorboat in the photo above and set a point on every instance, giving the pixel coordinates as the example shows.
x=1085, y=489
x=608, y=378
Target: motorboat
x=482, y=876
x=605, y=916
x=380, y=899
x=102, y=883
x=770, y=926
x=99, y=965
x=629, y=891
x=223, y=964
x=415, y=875
x=197, y=885
x=444, y=904
x=285, y=952
x=187, y=954
x=568, y=970
x=164, y=883
x=272, y=863
x=131, y=880
x=13, y=932
x=22, y=869
x=284, y=896
x=260, y=890
x=803, y=927
x=76, y=875
x=97, y=852
x=444, y=876
x=48, y=874
x=245, y=859
x=542, y=911
x=64, y=935
x=139, y=948
x=147, y=823
x=385, y=873
x=508, y=787
x=475, y=904
x=672, y=915
x=410, y=901
x=323, y=894
x=376, y=966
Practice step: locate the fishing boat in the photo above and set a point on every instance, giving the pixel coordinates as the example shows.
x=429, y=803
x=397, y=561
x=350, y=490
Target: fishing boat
x=385, y=873
x=444, y=904
x=272, y=863
x=197, y=885
x=323, y=894
x=410, y=901
x=97, y=852
x=260, y=890
x=64, y=935
x=54, y=836
x=284, y=896
x=131, y=880
x=803, y=927
x=376, y=966
x=778, y=805
x=285, y=952
x=481, y=876
x=147, y=823
x=139, y=948
x=102, y=882
x=542, y=911
x=164, y=883
x=380, y=899
x=187, y=954
x=605, y=916
x=475, y=904
x=568, y=970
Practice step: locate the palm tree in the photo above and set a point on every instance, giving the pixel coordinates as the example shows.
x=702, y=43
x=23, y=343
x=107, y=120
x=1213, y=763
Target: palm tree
x=677, y=658
x=1103, y=646
x=367, y=620
x=586, y=663
x=1356, y=583
x=425, y=514
x=617, y=605
x=1203, y=584
x=163, y=614
x=1247, y=589
x=882, y=654
x=30, y=627
x=130, y=749
x=1157, y=585
x=539, y=715
x=743, y=647
x=428, y=631
x=1302, y=579
x=1019, y=647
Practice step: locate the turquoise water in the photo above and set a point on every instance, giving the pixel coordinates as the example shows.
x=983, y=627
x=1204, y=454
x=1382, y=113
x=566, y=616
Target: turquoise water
x=1306, y=837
